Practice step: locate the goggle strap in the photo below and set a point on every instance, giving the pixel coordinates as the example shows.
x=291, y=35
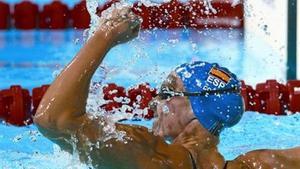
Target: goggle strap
x=204, y=93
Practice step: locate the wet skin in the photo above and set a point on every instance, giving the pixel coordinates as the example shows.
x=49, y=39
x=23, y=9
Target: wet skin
x=62, y=118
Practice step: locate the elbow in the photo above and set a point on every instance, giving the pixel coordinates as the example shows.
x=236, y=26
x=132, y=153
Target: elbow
x=41, y=117
x=44, y=124
x=40, y=120
x=48, y=121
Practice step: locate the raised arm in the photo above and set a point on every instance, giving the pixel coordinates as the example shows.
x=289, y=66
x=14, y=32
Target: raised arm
x=62, y=108
x=61, y=114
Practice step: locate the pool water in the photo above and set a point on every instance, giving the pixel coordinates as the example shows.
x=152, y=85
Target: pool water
x=34, y=58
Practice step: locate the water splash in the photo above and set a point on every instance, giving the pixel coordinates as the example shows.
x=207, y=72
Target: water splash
x=92, y=9
x=96, y=94
x=208, y=7
x=97, y=21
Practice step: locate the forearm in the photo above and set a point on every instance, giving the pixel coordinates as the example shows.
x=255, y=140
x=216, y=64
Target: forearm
x=67, y=95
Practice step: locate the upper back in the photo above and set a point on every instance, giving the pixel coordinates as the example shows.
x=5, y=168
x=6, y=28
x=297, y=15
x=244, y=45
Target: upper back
x=132, y=147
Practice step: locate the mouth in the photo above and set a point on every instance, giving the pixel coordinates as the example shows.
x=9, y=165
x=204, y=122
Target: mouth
x=156, y=127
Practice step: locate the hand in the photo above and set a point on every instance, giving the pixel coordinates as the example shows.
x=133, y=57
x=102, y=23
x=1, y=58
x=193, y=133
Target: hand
x=120, y=24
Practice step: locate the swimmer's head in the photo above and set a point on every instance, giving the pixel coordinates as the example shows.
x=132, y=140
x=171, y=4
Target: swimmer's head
x=202, y=90
x=173, y=113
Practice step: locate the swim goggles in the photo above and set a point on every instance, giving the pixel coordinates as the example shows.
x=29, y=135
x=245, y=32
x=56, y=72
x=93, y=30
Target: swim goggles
x=166, y=93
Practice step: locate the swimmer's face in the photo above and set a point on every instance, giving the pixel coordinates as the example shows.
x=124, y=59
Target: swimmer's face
x=172, y=114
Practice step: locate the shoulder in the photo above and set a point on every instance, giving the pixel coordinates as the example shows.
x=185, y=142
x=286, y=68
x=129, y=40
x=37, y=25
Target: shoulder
x=289, y=158
x=146, y=148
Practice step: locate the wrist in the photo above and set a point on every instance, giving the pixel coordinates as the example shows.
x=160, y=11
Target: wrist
x=105, y=35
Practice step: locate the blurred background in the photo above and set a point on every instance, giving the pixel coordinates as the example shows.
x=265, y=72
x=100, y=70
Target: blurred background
x=265, y=38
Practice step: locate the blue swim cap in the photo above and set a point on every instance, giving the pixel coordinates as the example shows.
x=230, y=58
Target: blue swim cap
x=214, y=111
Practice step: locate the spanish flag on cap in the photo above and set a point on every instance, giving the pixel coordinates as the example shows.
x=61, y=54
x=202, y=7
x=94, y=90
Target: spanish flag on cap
x=220, y=74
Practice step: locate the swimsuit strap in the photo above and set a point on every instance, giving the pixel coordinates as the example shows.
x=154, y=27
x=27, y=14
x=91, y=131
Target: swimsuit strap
x=225, y=167
x=193, y=161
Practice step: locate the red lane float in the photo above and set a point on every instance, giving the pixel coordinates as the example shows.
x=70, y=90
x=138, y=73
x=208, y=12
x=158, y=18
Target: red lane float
x=3, y=107
x=140, y=96
x=148, y=14
x=172, y=14
x=221, y=14
x=54, y=16
x=137, y=98
x=228, y=15
x=293, y=87
x=16, y=105
x=195, y=14
x=273, y=96
x=111, y=91
x=80, y=16
x=4, y=15
x=251, y=98
x=37, y=95
x=25, y=15
x=153, y=19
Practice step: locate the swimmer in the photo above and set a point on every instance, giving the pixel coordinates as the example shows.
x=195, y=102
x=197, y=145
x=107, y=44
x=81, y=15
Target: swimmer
x=195, y=103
